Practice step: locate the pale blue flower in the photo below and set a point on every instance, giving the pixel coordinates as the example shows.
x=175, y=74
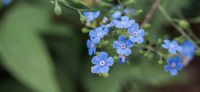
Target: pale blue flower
x=123, y=46
x=102, y=63
x=172, y=46
x=116, y=15
x=173, y=65
x=90, y=16
x=124, y=23
x=98, y=33
x=136, y=34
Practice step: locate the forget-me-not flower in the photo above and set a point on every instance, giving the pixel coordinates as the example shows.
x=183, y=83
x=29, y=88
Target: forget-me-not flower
x=116, y=14
x=188, y=51
x=102, y=63
x=172, y=46
x=124, y=23
x=173, y=65
x=123, y=46
x=90, y=16
x=98, y=33
x=136, y=34
x=91, y=47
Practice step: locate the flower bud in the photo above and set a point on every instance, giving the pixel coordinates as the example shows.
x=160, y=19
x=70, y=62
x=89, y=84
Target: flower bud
x=57, y=9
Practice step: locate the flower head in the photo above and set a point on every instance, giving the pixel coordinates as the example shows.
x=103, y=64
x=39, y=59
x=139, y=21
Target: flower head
x=116, y=14
x=172, y=46
x=98, y=33
x=123, y=46
x=91, y=47
x=90, y=16
x=187, y=53
x=173, y=65
x=102, y=63
x=124, y=23
x=136, y=34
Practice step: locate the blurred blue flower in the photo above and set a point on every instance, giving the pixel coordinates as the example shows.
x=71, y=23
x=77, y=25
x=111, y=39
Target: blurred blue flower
x=6, y=2
x=98, y=33
x=123, y=46
x=91, y=47
x=172, y=46
x=188, y=51
x=124, y=23
x=173, y=65
x=122, y=59
x=116, y=15
x=90, y=16
x=102, y=63
x=136, y=34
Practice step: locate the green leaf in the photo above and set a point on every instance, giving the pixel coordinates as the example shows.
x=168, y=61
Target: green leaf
x=23, y=51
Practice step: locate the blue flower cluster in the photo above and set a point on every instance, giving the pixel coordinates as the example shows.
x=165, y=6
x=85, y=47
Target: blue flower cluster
x=182, y=55
x=133, y=35
x=129, y=34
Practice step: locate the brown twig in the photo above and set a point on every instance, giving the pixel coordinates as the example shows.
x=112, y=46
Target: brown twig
x=151, y=12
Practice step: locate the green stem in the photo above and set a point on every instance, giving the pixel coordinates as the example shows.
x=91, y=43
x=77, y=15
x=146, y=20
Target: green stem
x=66, y=4
x=180, y=30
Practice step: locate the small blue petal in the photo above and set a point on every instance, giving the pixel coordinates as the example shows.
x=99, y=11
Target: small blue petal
x=104, y=69
x=173, y=72
x=127, y=51
x=103, y=55
x=167, y=68
x=116, y=15
x=96, y=69
x=109, y=61
x=124, y=19
x=95, y=60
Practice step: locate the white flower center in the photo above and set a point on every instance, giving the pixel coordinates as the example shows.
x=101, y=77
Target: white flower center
x=102, y=63
x=123, y=46
x=90, y=16
x=173, y=65
x=135, y=33
x=123, y=23
x=172, y=46
x=99, y=34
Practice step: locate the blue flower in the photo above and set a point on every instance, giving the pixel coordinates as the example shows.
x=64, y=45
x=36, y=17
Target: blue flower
x=172, y=46
x=173, y=65
x=102, y=63
x=6, y=2
x=91, y=47
x=116, y=15
x=136, y=34
x=98, y=33
x=188, y=51
x=124, y=23
x=122, y=59
x=123, y=46
x=90, y=16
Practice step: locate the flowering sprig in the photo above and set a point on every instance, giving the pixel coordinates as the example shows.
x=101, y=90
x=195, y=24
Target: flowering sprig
x=117, y=23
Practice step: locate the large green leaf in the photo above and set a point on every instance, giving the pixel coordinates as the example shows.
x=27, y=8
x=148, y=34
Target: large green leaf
x=23, y=52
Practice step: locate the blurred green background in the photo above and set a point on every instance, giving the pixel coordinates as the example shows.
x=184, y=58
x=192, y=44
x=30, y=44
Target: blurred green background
x=42, y=52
